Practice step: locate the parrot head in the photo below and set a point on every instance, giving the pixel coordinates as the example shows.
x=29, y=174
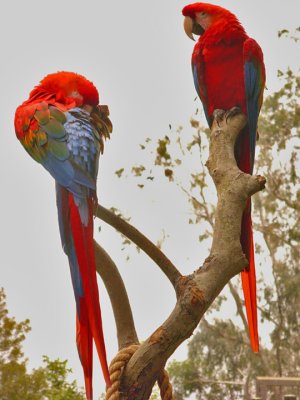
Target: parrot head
x=199, y=17
x=68, y=87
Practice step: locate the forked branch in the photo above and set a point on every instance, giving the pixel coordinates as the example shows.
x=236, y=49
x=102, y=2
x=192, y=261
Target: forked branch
x=196, y=292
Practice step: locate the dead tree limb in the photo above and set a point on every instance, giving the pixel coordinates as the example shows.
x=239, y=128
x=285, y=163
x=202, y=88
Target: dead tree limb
x=195, y=292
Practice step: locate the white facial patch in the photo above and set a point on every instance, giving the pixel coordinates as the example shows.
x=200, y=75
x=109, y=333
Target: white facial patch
x=76, y=95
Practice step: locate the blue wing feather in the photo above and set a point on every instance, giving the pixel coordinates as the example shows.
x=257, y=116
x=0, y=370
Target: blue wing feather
x=195, y=76
x=253, y=95
x=200, y=92
x=70, y=155
x=254, y=76
x=68, y=242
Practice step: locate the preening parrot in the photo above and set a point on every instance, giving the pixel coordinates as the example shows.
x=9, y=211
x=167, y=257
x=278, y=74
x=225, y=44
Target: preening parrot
x=62, y=126
x=229, y=72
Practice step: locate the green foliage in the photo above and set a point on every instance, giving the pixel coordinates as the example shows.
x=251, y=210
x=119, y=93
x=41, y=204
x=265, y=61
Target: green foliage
x=12, y=334
x=16, y=383
x=219, y=359
x=58, y=388
x=285, y=33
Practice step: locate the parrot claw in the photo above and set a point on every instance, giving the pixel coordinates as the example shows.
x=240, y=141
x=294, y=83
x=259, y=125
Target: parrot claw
x=218, y=115
x=232, y=113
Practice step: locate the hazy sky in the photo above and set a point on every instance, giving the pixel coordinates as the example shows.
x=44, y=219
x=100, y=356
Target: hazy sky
x=138, y=56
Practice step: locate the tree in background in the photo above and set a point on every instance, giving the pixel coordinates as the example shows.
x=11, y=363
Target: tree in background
x=220, y=363
x=220, y=350
x=16, y=382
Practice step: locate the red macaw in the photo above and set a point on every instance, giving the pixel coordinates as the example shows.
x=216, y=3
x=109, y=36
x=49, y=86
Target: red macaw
x=229, y=72
x=62, y=126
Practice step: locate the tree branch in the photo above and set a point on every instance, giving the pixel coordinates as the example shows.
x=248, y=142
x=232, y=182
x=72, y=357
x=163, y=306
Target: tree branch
x=167, y=267
x=277, y=343
x=115, y=287
x=277, y=193
x=196, y=292
x=221, y=332
x=239, y=306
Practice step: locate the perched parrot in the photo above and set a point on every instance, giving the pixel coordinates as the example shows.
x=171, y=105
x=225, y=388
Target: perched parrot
x=229, y=72
x=62, y=127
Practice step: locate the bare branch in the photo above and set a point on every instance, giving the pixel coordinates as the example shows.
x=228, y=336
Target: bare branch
x=115, y=287
x=221, y=333
x=239, y=306
x=268, y=317
x=167, y=267
x=197, y=291
x=275, y=189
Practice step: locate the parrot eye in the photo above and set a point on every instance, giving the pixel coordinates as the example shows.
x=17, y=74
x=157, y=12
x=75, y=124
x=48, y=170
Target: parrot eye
x=203, y=13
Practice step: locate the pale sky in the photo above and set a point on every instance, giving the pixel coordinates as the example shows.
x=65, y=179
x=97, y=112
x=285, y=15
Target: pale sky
x=138, y=56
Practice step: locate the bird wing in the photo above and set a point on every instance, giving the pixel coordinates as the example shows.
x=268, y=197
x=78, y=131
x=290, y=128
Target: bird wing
x=67, y=141
x=199, y=79
x=41, y=129
x=45, y=131
x=254, y=75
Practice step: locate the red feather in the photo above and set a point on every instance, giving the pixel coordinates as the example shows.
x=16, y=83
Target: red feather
x=84, y=340
x=249, y=277
x=84, y=246
x=229, y=72
x=42, y=125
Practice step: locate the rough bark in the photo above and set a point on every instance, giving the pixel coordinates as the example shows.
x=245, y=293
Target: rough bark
x=196, y=292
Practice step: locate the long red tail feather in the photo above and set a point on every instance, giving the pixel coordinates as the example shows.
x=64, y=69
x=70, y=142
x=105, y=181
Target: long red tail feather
x=84, y=341
x=249, y=278
x=83, y=242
